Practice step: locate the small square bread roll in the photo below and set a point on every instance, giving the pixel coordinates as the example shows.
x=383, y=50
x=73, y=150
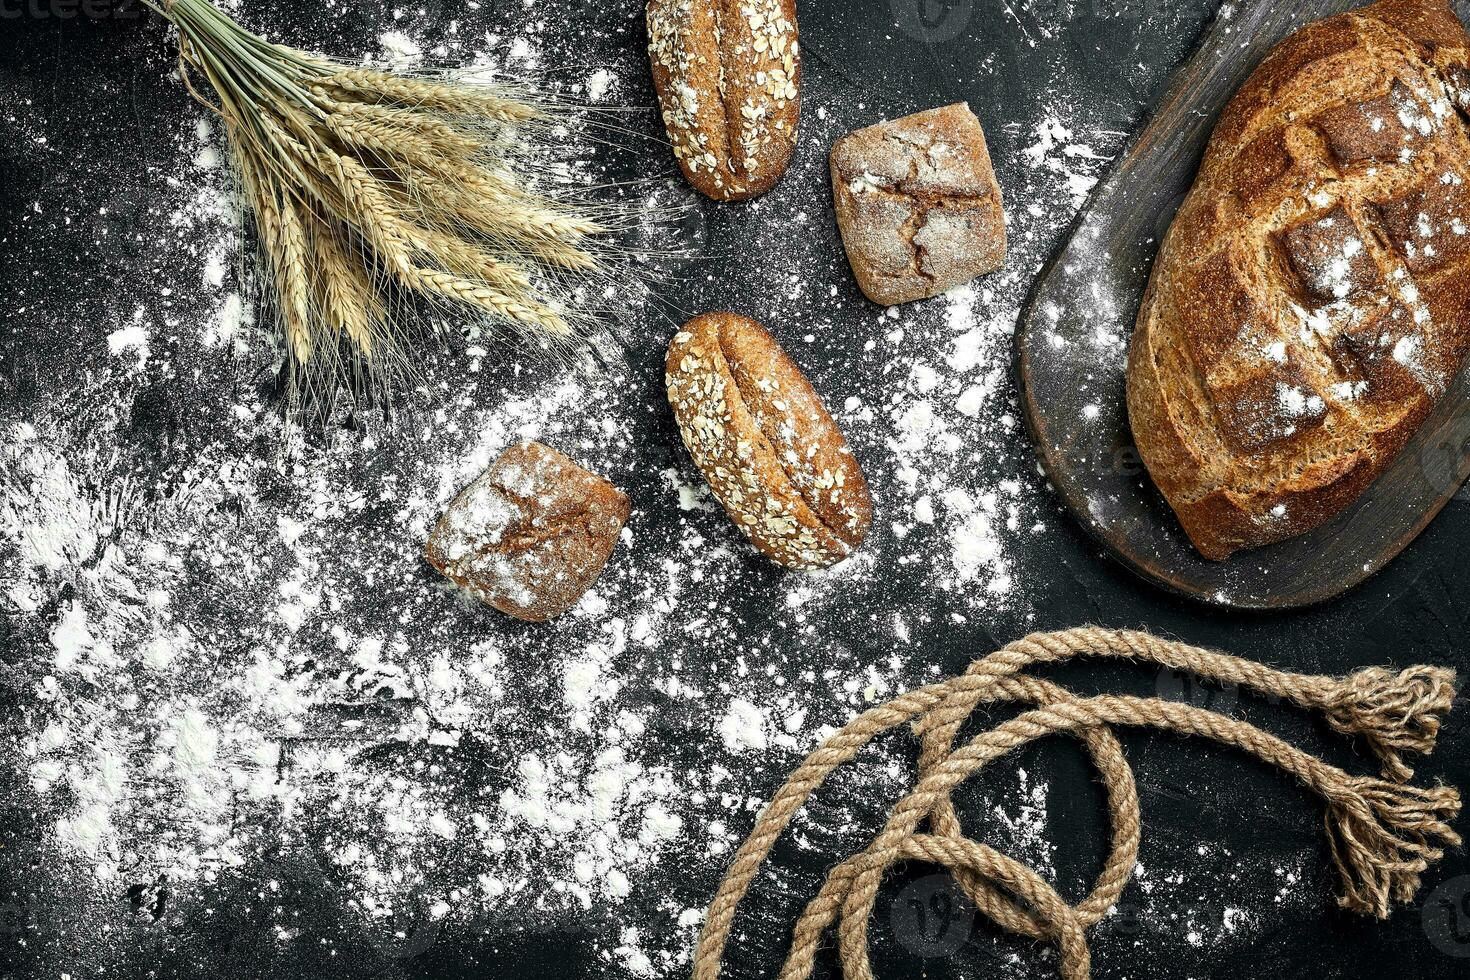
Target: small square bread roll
x=918, y=205
x=531, y=534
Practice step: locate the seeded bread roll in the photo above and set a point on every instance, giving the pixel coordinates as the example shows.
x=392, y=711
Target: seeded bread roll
x=917, y=204
x=1311, y=300
x=531, y=534
x=764, y=441
x=728, y=78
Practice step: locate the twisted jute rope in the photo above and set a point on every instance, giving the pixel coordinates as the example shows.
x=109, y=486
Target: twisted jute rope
x=1383, y=832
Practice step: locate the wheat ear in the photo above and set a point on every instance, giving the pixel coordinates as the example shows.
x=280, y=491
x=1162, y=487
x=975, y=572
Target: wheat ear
x=348, y=298
x=367, y=185
x=420, y=93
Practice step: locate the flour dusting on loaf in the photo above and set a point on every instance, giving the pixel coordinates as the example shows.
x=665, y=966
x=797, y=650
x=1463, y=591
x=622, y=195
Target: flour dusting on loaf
x=1312, y=299
x=531, y=534
x=918, y=204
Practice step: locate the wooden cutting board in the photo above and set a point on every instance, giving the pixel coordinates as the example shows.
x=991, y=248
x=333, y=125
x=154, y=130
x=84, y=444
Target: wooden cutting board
x=1072, y=343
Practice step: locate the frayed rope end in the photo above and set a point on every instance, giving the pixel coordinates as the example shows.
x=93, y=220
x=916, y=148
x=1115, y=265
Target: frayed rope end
x=1395, y=712
x=1383, y=835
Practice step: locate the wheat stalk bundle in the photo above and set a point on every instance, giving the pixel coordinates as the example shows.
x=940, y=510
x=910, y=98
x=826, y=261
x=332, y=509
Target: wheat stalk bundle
x=374, y=192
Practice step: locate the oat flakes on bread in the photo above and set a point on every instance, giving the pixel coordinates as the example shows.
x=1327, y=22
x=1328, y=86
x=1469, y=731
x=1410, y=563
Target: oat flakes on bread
x=1311, y=300
x=728, y=78
x=765, y=443
x=531, y=534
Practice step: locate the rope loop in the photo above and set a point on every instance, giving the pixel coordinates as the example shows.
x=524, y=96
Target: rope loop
x=1383, y=832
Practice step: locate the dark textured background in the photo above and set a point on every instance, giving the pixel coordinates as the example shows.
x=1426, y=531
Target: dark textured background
x=105, y=76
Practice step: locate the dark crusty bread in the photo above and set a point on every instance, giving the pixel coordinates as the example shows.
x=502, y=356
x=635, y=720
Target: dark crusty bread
x=764, y=441
x=728, y=78
x=1309, y=302
x=917, y=204
x=531, y=534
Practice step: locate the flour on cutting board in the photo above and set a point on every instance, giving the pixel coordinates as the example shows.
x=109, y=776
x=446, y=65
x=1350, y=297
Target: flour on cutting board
x=250, y=655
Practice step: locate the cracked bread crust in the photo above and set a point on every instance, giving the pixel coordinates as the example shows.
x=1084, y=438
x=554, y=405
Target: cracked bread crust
x=1311, y=300
x=728, y=78
x=917, y=204
x=765, y=443
x=531, y=534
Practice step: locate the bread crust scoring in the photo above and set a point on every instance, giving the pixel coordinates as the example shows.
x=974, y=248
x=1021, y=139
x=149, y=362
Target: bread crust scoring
x=765, y=443
x=531, y=534
x=728, y=78
x=917, y=204
x=1311, y=300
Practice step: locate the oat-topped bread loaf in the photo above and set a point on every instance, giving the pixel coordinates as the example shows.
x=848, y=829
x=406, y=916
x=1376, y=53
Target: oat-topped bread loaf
x=728, y=78
x=762, y=438
x=1312, y=298
x=531, y=534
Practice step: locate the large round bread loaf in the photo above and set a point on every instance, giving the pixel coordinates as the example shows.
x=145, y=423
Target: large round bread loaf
x=1312, y=298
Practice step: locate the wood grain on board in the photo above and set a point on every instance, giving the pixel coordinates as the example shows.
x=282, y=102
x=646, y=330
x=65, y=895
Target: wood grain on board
x=1072, y=344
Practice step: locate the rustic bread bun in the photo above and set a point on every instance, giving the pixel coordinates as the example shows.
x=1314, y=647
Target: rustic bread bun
x=917, y=204
x=763, y=440
x=531, y=534
x=1312, y=298
x=728, y=78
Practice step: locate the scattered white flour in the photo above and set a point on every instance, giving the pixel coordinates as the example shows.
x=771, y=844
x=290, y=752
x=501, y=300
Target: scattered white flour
x=1075, y=163
x=398, y=48
x=233, y=659
x=743, y=727
x=133, y=338
x=599, y=84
